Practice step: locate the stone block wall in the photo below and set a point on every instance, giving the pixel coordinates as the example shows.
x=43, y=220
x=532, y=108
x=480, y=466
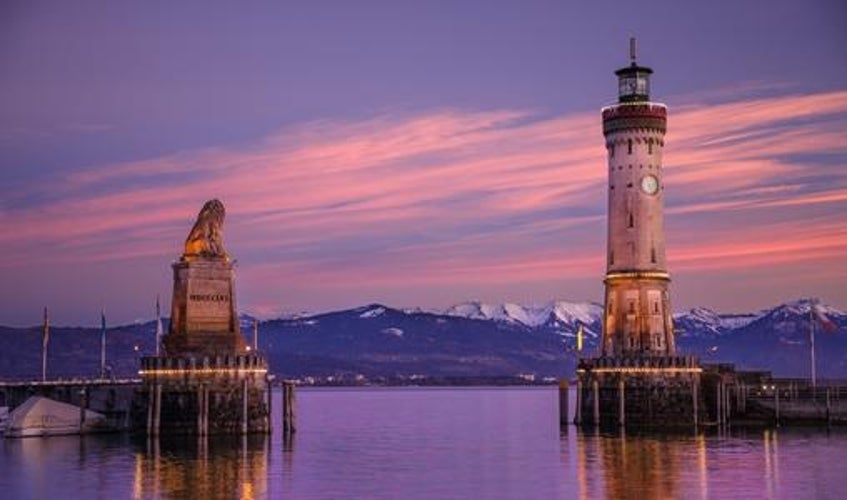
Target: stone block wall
x=656, y=392
x=203, y=395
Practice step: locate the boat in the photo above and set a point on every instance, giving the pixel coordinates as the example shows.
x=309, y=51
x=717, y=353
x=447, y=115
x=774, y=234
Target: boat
x=41, y=416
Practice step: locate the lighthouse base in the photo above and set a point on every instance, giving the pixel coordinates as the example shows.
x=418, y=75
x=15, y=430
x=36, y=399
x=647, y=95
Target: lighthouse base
x=640, y=392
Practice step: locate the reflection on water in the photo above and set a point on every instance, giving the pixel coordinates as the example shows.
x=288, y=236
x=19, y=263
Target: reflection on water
x=638, y=467
x=742, y=463
x=431, y=443
x=225, y=467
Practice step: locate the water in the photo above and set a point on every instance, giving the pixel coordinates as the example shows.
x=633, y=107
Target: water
x=431, y=443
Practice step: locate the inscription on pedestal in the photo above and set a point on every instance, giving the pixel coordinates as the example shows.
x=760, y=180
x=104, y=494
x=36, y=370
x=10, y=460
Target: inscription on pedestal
x=209, y=303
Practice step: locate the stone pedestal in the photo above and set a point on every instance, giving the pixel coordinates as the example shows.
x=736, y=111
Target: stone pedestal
x=208, y=382
x=640, y=391
x=204, y=318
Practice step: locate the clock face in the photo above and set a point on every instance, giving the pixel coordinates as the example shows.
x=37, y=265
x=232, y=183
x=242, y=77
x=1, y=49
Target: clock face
x=650, y=184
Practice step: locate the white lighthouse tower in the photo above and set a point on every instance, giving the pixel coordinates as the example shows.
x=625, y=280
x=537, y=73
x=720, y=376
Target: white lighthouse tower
x=637, y=317
x=637, y=378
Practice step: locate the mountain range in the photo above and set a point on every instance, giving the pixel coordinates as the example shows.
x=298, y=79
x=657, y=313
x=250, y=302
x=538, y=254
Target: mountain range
x=470, y=340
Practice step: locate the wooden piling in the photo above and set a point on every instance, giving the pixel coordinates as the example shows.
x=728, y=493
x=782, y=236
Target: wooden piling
x=269, y=419
x=563, y=402
x=727, y=404
x=696, y=400
x=206, y=406
x=150, y=401
x=200, y=410
x=776, y=403
x=596, y=387
x=828, y=408
x=621, y=403
x=288, y=426
x=718, y=398
x=577, y=417
x=157, y=409
x=244, y=414
x=83, y=404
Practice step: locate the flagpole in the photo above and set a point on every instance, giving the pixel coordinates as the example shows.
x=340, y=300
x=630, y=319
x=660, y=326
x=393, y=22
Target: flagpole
x=255, y=335
x=812, y=344
x=158, y=325
x=103, y=343
x=45, y=338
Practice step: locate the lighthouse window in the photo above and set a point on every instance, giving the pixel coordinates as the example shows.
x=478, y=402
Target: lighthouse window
x=629, y=146
x=631, y=220
x=653, y=255
x=655, y=308
x=650, y=146
x=612, y=150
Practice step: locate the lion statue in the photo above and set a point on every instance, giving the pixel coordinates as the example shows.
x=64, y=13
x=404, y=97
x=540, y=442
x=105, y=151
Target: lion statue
x=206, y=237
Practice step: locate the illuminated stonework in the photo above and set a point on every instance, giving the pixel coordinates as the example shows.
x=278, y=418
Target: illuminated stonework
x=204, y=317
x=637, y=318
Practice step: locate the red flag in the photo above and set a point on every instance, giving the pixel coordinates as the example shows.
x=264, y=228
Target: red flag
x=827, y=324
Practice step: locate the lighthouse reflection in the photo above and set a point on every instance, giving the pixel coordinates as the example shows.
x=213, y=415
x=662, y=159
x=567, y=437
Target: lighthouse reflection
x=640, y=467
x=617, y=465
x=219, y=467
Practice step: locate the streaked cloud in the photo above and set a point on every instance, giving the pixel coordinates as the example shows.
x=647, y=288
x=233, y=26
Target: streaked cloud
x=486, y=199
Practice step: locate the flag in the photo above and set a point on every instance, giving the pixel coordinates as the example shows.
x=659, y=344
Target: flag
x=579, y=337
x=827, y=324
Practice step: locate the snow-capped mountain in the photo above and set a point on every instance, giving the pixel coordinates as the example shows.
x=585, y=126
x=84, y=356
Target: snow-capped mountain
x=701, y=321
x=468, y=340
x=533, y=316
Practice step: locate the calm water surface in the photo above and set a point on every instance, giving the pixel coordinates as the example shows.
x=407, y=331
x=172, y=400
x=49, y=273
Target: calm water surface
x=432, y=443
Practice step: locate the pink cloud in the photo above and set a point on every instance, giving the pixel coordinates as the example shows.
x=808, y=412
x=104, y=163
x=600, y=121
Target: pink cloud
x=448, y=196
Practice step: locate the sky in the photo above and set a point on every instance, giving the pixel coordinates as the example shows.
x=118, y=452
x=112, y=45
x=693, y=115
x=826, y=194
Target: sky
x=416, y=154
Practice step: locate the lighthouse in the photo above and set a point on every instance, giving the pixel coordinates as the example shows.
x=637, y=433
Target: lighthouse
x=637, y=319
x=637, y=378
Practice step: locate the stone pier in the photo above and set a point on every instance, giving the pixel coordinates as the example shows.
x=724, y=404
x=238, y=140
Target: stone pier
x=639, y=391
x=202, y=396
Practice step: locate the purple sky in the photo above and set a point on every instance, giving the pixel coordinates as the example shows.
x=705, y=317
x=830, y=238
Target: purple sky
x=412, y=153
